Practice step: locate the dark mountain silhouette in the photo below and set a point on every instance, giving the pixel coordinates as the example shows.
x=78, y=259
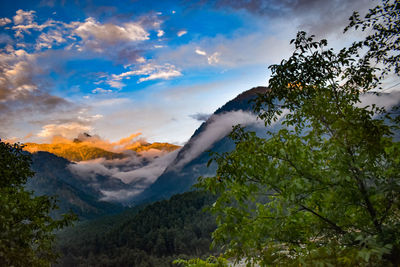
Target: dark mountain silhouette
x=53, y=178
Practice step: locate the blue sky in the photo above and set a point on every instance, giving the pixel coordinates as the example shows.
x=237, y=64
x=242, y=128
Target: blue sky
x=114, y=68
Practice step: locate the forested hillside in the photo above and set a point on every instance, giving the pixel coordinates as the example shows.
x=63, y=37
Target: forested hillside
x=153, y=235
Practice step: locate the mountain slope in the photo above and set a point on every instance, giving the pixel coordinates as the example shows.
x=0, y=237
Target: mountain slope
x=54, y=178
x=142, y=236
x=156, y=145
x=183, y=172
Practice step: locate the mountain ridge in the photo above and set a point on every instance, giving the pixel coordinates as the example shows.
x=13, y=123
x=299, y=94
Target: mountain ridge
x=175, y=179
x=83, y=151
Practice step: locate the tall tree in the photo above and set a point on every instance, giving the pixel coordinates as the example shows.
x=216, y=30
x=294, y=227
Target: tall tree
x=26, y=228
x=325, y=188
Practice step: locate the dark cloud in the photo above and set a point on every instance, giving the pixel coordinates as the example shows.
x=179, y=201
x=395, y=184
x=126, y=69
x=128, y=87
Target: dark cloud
x=200, y=116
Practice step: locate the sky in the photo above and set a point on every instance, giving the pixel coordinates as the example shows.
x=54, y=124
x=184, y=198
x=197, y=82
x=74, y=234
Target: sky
x=114, y=68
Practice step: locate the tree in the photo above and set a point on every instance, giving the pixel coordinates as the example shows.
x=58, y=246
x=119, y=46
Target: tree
x=26, y=228
x=324, y=189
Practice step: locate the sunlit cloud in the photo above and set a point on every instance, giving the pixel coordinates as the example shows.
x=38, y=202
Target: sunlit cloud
x=151, y=71
x=160, y=33
x=4, y=21
x=66, y=130
x=94, y=33
x=23, y=17
x=200, y=52
x=181, y=33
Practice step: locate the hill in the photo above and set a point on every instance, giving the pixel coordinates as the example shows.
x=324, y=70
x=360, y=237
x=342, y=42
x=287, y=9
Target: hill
x=153, y=235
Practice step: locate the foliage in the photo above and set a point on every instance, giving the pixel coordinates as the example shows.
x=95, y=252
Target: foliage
x=26, y=229
x=324, y=189
x=153, y=235
x=384, y=44
x=211, y=261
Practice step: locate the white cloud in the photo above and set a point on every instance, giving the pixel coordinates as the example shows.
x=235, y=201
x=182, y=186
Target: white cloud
x=218, y=127
x=135, y=171
x=200, y=52
x=141, y=60
x=151, y=70
x=235, y=52
x=181, y=33
x=166, y=72
x=24, y=17
x=19, y=29
x=66, y=130
x=101, y=90
x=149, y=172
x=116, y=84
x=49, y=39
x=4, y=21
x=385, y=100
x=93, y=31
x=160, y=33
x=214, y=58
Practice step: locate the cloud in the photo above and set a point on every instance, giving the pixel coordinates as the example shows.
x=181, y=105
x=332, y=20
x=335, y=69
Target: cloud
x=385, y=100
x=200, y=116
x=148, y=172
x=49, y=39
x=101, y=91
x=23, y=89
x=181, y=33
x=150, y=70
x=135, y=171
x=24, y=22
x=212, y=59
x=24, y=17
x=160, y=33
x=4, y=21
x=229, y=52
x=316, y=17
x=109, y=102
x=165, y=72
x=95, y=34
x=66, y=130
x=200, y=52
x=217, y=127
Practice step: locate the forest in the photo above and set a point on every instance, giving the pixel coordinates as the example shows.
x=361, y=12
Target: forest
x=153, y=235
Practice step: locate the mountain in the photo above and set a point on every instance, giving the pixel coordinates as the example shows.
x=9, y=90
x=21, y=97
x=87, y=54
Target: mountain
x=79, y=150
x=53, y=177
x=156, y=145
x=82, y=172
x=73, y=151
x=191, y=161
